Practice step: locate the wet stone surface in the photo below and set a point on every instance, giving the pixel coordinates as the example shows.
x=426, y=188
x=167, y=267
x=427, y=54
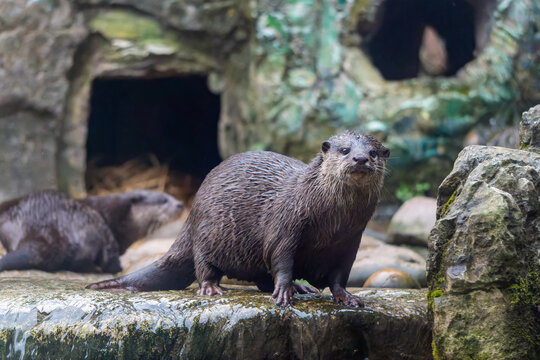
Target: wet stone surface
x=59, y=319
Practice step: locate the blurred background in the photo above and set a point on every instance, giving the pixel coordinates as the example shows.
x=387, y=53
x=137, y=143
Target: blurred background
x=101, y=96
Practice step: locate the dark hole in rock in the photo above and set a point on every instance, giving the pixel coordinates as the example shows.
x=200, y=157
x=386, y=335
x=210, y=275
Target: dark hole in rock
x=158, y=134
x=413, y=37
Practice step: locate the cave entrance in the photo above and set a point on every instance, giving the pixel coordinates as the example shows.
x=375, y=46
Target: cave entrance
x=415, y=37
x=157, y=134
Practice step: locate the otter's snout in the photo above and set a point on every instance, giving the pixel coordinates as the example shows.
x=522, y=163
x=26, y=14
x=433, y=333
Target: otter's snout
x=360, y=160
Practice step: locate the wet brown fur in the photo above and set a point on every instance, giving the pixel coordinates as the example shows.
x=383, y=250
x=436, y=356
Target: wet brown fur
x=268, y=218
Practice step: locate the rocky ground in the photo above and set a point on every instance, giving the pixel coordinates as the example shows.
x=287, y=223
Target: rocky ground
x=55, y=317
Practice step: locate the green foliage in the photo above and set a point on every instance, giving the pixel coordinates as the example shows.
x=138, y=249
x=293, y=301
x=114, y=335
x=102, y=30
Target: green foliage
x=406, y=192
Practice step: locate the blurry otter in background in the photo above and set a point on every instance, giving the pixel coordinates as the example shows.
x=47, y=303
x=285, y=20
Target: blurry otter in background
x=47, y=230
x=268, y=218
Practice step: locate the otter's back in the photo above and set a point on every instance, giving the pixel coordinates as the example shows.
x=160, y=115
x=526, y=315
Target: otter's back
x=33, y=213
x=227, y=214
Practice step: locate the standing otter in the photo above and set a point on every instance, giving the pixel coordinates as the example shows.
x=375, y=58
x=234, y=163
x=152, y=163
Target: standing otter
x=48, y=230
x=268, y=218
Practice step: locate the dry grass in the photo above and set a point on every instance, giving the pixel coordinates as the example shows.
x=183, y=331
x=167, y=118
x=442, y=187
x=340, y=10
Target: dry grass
x=141, y=173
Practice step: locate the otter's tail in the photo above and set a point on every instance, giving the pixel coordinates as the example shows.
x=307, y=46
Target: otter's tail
x=151, y=278
x=174, y=271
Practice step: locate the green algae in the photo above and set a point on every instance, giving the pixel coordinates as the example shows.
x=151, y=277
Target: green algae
x=135, y=35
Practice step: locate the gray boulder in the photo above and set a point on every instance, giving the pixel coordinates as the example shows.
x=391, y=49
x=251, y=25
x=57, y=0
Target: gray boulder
x=483, y=268
x=412, y=223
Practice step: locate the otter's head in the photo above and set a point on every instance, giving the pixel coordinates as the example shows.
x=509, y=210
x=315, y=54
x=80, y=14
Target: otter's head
x=136, y=214
x=354, y=159
x=149, y=210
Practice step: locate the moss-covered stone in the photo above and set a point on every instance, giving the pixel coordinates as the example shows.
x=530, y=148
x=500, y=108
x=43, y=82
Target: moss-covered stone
x=60, y=319
x=484, y=259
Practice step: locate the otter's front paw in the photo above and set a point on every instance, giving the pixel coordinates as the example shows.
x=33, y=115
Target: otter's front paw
x=304, y=289
x=283, y=293
x=348, y=299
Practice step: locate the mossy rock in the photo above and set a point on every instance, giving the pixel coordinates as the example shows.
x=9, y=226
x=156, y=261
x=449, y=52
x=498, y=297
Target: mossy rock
x=60, y=319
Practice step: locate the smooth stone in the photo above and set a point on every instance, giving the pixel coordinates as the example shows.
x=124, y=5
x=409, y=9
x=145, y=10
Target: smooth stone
x=391, y=278
x=375, y=255
x=412, y=223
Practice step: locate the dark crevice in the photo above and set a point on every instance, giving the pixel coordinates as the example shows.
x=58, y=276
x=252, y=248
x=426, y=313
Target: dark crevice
x=444, y=31
x=172, y=120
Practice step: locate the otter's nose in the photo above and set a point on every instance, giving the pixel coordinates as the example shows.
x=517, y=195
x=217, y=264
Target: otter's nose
x=180, y=205
x=360, y=160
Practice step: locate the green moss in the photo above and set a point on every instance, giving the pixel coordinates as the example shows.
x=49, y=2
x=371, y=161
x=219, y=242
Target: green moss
x=448, y=203
x=526, y=291
x=435, y=351
x=140, y=30
x=524, y=146
x=526, y=309
x=431, y=295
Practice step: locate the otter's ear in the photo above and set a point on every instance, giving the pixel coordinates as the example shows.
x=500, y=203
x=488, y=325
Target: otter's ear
x=385, y=153
x=325, y=146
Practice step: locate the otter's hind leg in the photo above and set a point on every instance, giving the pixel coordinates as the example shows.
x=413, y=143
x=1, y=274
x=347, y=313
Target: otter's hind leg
x=208, y=277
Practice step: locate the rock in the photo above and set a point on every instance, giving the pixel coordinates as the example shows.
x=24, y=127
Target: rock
x=391, y=278
x=412, y=223
x=484, y=265
x=61, y=320
x=375, y=255
x=529, y=131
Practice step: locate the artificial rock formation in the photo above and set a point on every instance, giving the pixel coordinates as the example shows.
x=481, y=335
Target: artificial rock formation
x=62, y=320
x=483, y=270
x=289, y=74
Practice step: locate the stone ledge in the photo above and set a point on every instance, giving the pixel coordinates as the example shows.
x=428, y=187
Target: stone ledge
x=49, y=318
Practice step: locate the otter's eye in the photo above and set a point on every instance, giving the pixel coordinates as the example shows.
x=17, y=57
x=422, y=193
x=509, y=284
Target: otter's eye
x=345, y=151
x=373, y=153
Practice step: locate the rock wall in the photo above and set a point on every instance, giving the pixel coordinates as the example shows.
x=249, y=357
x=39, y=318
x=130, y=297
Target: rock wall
x=289, y=75
x=484, y=265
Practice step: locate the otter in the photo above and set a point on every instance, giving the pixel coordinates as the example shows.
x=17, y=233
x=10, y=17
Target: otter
x=47, y=230
x=268, y=218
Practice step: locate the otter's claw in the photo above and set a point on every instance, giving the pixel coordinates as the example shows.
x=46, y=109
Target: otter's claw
x=209, y=288
x=348, y=299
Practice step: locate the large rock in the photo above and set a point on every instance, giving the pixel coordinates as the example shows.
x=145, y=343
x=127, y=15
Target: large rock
x=484, y=272
x=58, y=319
x=412, y=223
x=375, y=255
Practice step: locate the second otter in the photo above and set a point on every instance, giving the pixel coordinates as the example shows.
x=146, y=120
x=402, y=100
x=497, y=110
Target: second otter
x=50, y=231
x=268, y=218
